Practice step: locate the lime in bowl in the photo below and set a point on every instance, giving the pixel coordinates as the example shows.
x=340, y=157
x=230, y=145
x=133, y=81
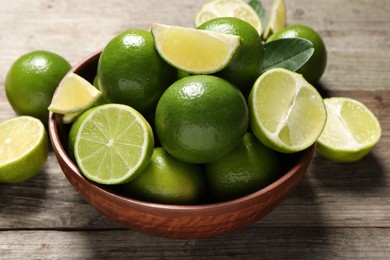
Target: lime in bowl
x=171, y=220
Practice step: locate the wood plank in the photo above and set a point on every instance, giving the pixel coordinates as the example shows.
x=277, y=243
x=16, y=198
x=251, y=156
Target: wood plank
x=253, y=243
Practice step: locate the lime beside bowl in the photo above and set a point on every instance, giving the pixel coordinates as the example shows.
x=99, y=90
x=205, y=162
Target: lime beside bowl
x=172, y=221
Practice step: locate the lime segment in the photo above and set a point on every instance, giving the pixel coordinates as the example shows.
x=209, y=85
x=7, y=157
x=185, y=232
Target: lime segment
x=23, y=148
x=112, y=143
x=228, y=8
x=287, y=113
x=351, y=131
x=75, y=94
x=194, y=51
x=277, y=18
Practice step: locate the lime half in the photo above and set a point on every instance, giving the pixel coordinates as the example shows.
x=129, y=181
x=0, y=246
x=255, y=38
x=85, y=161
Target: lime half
x=351, y=131
x=228, y=8
x=194, y=51
x=111, y=143
x=23, y=148
x=287, y=113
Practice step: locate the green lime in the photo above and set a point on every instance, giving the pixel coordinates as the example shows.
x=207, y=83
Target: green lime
x=201, y=118
x=131, y=71
x=287, y=113
x=111, y=143
x=23, y=148
x=248, y=168
x=194, y=51
x=351, y=130
x=32, y=80
x=314, y=68
x=168, y=180
x=245, y=67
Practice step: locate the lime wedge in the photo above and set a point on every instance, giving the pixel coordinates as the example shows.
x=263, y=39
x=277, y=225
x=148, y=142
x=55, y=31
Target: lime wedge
x=111, y=143
x=351, y=131
x=194, y=51
x=287, y=113
x=277, y=18
x=75, y=94
x=23, y=148
x=228, y=8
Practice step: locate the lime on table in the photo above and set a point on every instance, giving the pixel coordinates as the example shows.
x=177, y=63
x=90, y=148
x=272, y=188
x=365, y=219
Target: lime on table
x=194, y=51
x=32, y=80
x=168, y=180
x=111, y=143
x=248, y=168
x=75, y=94
x=351, y=131
x=228, y=8
x=287, y=113
x=23, y=149
x=277, y=18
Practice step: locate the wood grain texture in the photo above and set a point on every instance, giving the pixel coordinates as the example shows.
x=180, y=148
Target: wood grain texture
x=338, y=211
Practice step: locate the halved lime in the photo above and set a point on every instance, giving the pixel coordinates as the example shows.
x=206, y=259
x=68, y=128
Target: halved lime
x=111, y=143
x=75, y=94
x=277, y=18
x=228, y=8
x=287, y=113
x=194, y=51
x=351, y=131
x=23, y=148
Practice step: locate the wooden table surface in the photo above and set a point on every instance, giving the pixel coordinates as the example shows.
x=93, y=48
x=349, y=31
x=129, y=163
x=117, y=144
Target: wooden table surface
x=338, y=211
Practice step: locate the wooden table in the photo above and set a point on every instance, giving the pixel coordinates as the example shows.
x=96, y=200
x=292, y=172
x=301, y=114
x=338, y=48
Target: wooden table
x=338, y=211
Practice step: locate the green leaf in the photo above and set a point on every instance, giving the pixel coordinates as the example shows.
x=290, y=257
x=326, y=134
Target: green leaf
x=288, y=53
x=260, y=10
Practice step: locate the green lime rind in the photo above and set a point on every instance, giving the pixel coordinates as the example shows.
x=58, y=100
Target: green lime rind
x=111, y=143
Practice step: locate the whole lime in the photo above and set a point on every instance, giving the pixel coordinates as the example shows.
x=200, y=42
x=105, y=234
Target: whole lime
x=248, y=168
x=245, y=67
x=314, y=68
x=32, y=80
x=168, y=180
x=201, y=118
x=131, y=72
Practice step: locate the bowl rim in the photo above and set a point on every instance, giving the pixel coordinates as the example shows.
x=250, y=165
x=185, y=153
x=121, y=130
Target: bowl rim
x=61, y=154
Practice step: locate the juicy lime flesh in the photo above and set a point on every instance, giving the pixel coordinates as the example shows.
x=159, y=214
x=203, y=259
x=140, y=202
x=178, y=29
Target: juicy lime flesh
x=195, y=51
x=290, y=112
x=74, y=95
x=113, y=144
x=350, y=124
x=17, y=139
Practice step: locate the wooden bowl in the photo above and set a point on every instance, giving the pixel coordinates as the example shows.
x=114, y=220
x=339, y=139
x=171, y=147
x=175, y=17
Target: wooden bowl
x=173, y=221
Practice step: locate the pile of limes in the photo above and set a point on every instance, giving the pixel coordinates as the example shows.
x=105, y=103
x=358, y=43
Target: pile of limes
x=187, y=115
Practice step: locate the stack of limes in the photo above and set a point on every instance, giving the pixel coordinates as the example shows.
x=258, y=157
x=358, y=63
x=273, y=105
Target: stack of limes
x=220, y=121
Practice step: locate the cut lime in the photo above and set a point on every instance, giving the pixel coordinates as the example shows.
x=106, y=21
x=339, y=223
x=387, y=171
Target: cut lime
x=75, y=94
x=194, y=51
x=23, y=148
x=277, y=18
x=228, y=8
x=111, y=143
x=351, y=131
x=287, y=113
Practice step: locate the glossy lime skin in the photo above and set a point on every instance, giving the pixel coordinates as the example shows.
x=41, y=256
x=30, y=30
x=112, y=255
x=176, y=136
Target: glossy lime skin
x=131, y=72
x=248, y=168
x=169, y=181
x=245, y=67
x=314, y=68
x=32, y=80
x=201, y=118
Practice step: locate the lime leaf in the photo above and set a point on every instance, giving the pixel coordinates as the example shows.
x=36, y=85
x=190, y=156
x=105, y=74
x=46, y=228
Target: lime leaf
x=288, y=53
x=260, y=10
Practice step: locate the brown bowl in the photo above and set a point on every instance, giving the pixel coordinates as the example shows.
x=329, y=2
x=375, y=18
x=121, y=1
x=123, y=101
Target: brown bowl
x=174, y=221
